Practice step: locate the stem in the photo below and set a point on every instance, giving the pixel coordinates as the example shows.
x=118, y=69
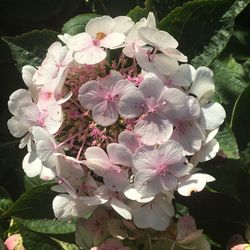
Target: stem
x=173, y=246
x=65, y=141
x=149, y=242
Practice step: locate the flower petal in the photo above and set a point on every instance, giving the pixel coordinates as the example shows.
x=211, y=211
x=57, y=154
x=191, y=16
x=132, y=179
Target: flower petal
x=121, y=208
x=105, y=113
x=90, y=94
x=132, y=104
x=153, y=129
x=112, y=40
x=119, y=154
x=90, y=56
x=79, y=42
x=212, y=116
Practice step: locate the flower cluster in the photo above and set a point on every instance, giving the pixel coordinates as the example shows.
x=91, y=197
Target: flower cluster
x=124, y=135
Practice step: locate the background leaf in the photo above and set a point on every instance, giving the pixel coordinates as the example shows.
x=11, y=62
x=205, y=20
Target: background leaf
x=48, y=226
x=229, y=84
x=203, y=27
x=30, y=48
x=220, y=39
x=35, y=241
x=34, y=203
x=228, y=144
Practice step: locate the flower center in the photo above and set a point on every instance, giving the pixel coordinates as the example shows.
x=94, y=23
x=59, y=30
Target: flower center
x=100, y=35
x=162, y=169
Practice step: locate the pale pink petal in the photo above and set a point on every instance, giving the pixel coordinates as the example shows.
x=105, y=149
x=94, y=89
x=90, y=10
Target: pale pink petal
x=151, y=86
x=168, y=182
x=79, y=42
x=105, y=113
x=147, y=183
x=171, y=152
x=121, y=208
x=116, y=179
x=109, y=81
x=119, y=154
x=112, y=40
x=190, y=135
x=129, y=139
x=132, y=104
x=151, y=216
x=91, y=55
x=146, y=157
x=153, y=129
x=90, y=94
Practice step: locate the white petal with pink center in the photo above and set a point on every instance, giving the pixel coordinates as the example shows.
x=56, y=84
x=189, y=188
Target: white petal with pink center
x=158, y=169
x=102, y=97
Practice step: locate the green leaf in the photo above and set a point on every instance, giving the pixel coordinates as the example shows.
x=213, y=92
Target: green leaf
x=228, y=144
x=241, y=119
x=48, y=226
x=228, y=83
x=35, y=241
x=138, y=12
x=66, y=245
x=202, y=23
x=34, y=203
x=220, y=39
x=5, y=200
x=31, y=182
x=77, y=24
x=30, y=48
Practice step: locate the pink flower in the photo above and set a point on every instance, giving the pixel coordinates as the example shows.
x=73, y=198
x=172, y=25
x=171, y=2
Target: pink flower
x=158, y=169
x=102, y=97
x=156, y=105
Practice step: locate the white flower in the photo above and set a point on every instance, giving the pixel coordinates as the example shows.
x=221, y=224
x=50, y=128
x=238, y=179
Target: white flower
x=101, y=32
